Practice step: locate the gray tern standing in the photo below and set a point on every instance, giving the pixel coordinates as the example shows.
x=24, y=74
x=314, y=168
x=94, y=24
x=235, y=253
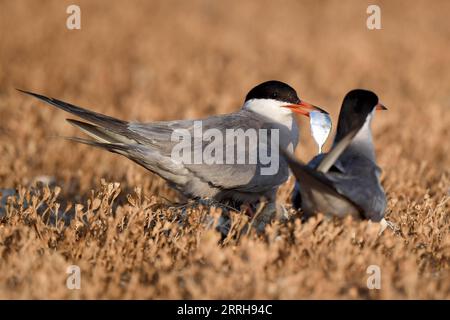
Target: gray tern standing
x=267, y=107
x=344, y=181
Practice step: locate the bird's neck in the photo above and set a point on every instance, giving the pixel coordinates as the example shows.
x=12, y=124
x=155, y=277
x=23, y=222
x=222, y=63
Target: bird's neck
x=279, y=117
x=270, y=109
x=362, y=143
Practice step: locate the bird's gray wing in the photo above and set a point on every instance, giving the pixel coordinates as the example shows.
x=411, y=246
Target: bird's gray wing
x=117, y=136
x=361, y=185
x=151, y=144
x=306, y=175
x=230, y=176
x=331, y=157
x=338, y=165
x=311, y=180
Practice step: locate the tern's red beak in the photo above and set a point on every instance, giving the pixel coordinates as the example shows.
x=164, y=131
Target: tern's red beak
x=304, y=108
x=380, y=107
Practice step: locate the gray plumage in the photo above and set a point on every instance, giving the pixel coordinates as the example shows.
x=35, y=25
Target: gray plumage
x=150, y=145
x=345, y=181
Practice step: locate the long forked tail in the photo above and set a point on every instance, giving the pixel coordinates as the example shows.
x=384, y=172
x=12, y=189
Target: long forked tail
x=120, y=148
x=97, y=118
x=115, y=136
x=100, y=134
x=108, y=129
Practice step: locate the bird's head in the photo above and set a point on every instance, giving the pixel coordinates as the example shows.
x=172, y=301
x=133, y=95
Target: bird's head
x=275, y=99
x=358, y=107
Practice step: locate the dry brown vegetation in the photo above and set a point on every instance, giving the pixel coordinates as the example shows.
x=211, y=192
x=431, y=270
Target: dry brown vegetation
x=162, y=60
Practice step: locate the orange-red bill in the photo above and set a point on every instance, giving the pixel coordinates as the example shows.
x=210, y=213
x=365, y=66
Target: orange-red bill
x=380, y=107
x=304, y=108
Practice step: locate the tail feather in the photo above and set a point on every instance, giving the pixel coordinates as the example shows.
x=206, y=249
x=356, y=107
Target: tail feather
x=116, y=136
x=94, y=117
x=308, y=177
x=98, y=133
x=300, y=170
x=317, y=185
x=119, y=148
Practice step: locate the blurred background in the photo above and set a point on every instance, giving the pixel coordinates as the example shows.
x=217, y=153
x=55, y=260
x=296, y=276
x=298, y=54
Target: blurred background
x=165, y=60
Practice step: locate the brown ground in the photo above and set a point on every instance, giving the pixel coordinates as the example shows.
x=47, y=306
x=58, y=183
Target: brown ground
x=184, y=59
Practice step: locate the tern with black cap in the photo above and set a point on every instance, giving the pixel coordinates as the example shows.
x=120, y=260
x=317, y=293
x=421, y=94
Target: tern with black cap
x=346, y=180
x=269, y=105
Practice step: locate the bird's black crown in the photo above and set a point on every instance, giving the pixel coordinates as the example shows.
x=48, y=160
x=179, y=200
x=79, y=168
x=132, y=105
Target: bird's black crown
x=360, y=101
x=356, y=107
x=273, y=89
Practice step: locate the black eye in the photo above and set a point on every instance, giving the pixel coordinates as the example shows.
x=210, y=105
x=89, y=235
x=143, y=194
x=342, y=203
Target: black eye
x=274, y=95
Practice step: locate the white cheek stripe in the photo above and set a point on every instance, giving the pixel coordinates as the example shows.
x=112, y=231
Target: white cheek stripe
x=269, y=108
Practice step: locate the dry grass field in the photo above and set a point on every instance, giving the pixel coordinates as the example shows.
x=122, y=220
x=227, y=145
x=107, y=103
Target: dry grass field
x=163, y=60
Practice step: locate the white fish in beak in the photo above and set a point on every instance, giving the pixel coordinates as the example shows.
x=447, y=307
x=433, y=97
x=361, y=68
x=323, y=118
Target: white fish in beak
x=320, y=127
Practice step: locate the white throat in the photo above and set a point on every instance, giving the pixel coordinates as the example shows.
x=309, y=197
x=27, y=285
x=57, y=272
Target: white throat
x=363, y=139
x=273, y=111
x=364, y=134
